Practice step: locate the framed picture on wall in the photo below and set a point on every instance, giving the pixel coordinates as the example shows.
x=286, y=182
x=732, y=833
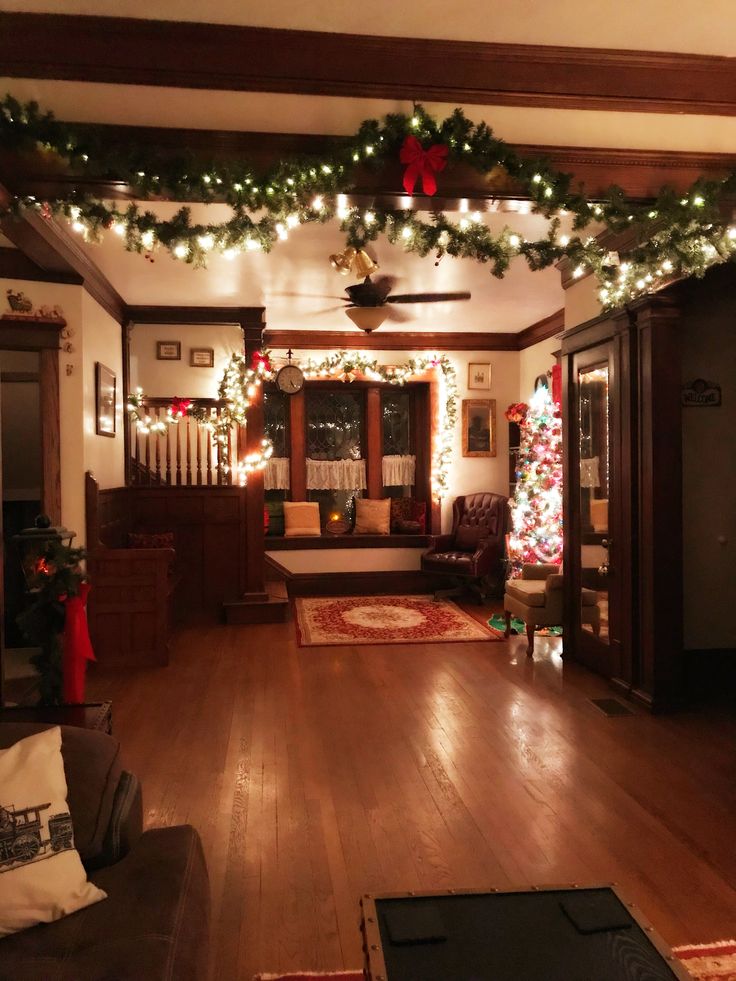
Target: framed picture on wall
x=479, y=427
x=479, y=377
x=202, y=357
x=168, y=350
x=105, y=399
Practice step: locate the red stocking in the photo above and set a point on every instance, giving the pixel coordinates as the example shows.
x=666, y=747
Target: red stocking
x=77, y=646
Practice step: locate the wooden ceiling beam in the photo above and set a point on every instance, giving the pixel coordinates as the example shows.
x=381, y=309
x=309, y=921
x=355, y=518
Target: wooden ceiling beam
x=641, y=173
x=56, y=253
x=254, y=59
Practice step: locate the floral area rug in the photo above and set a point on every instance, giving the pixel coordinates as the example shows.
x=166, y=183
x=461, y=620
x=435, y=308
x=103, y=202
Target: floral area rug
x=709, y=962
x=347, y=620
x=498, y=622
x=705, y=962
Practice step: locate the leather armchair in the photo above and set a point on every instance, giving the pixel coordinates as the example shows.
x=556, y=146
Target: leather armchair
x=473, y=552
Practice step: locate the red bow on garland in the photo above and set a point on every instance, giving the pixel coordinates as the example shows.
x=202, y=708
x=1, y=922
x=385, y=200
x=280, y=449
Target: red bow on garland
x=421, y=162
x=180, y=407
x=259, y=358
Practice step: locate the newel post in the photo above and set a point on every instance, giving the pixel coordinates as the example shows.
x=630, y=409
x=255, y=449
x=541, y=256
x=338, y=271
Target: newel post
x=253, y=573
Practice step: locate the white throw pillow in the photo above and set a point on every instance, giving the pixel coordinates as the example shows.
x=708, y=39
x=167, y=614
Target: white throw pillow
x=41, y=874
x=301, y=518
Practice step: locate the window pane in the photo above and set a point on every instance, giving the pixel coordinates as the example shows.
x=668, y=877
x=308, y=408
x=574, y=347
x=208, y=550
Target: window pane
x=275, y=420
x=396, y=409
x=334, y=424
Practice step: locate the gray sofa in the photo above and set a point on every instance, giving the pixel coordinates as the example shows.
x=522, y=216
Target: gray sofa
x=154, y=925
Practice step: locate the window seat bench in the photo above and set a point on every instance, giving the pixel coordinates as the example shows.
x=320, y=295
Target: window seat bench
x=280, y=543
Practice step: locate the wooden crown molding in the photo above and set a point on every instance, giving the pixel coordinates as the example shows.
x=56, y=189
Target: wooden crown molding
x=226, y=57
x=317, y=340
x=542, y=330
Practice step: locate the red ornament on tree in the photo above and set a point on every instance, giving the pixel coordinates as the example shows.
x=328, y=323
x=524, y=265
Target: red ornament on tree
x=422, y=163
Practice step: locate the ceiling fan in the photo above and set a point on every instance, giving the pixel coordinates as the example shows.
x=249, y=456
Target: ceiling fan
x=369, y=303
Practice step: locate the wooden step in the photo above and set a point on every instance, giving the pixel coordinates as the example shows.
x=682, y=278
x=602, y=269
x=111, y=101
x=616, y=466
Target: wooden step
x=274, y=609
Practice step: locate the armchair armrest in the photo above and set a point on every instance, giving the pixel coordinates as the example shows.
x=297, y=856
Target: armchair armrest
x=441, y=543
x=532, y=570
x=554, y=583
x=487, y=555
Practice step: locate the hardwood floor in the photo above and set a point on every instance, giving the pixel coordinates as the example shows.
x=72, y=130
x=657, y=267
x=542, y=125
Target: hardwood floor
x=314, y=775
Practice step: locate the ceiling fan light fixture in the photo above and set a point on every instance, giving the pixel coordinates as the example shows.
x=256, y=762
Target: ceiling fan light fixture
x=367, y=318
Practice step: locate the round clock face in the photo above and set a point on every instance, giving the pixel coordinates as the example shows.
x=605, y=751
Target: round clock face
x=290, y=379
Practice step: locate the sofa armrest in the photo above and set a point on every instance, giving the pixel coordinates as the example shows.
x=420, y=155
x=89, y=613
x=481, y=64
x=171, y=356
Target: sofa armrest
x=533, y=570
x=126, y=821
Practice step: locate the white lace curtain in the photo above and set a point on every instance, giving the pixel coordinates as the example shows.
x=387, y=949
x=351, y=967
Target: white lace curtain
x=398, y=471
x=336, y=474
x=276, y=475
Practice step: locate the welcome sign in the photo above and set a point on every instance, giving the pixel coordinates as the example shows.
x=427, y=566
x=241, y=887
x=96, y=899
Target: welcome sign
x=701, y=393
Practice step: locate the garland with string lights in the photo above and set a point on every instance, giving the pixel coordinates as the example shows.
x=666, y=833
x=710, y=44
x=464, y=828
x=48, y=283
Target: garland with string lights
x=240, y=382
x=678, y=235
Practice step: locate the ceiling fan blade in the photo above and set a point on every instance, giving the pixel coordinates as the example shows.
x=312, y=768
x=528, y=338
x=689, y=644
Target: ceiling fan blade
x=384, y=284
x=310, y=296
x=397, y=316
x=427, y=297
x=318, y=313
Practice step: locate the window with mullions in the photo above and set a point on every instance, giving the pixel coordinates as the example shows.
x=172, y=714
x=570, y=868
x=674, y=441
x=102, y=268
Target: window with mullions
x=335, y=467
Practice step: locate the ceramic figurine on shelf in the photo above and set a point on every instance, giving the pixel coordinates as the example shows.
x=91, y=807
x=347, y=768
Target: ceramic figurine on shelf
x=19, y=302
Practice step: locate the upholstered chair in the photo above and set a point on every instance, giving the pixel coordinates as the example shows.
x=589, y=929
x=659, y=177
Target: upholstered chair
x=472, y=554
x=536, y=599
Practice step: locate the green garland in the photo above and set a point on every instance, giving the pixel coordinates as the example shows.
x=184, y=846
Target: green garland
x=678, y=234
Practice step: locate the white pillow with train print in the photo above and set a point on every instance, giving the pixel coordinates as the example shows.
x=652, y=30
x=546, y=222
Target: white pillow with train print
x=41, y=874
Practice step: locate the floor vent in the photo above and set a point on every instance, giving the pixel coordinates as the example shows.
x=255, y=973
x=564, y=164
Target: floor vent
x=611, y=706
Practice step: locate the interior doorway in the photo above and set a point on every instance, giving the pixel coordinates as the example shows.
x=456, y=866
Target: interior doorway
x=21, y=476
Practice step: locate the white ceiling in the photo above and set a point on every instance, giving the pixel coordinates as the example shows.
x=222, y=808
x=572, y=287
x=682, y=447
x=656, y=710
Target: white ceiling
x=645, y=25
x=300, y=266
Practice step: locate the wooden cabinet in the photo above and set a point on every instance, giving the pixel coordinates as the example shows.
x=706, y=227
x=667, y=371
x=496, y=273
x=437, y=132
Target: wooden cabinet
x=622, y=497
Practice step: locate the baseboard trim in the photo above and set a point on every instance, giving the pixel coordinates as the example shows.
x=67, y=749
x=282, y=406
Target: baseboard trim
x=360, y=583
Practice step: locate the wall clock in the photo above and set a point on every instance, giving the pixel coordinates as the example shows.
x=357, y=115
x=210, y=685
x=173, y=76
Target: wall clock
x=290, y=378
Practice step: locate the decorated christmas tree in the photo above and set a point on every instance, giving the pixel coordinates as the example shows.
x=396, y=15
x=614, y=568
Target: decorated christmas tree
x=536, y=508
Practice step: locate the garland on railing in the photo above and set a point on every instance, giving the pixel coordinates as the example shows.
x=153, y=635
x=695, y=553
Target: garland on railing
x=237, y=390
x=239, y=385
x=678, y=234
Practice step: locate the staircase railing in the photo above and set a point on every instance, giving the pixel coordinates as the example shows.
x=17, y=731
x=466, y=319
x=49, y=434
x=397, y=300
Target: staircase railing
x=186, y=453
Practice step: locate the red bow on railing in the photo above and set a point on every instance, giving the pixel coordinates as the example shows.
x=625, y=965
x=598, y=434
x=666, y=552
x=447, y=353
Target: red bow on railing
x=258, y=359
x=77, y=645
x=180, y=407
x=421, y=162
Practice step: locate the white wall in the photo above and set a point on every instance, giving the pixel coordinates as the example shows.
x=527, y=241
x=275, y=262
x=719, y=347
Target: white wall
x=167, y=379
x=102, y=341
x=581, y=302
x=470, y=474
x=534, y=361
x=709, y=474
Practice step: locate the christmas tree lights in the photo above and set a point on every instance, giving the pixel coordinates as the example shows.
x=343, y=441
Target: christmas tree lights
x=536, y=508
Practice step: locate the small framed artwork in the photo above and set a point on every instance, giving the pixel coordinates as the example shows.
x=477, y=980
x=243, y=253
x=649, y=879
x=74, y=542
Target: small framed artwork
x=479, y=377
x=202, y=357
x=105, y=399
x=479, y=427
x=168, y=350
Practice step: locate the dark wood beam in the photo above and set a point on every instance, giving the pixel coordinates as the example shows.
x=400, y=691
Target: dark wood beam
x=317, y=340
x=250, y=316
x=226, y=57
x=542, y=330
x=50, y=249
x=641, y=173
x=14, y=264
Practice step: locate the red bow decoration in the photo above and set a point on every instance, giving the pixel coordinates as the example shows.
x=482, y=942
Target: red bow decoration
x=259, y=358
x=77, y=645
x=421, y=162
x=180, y=407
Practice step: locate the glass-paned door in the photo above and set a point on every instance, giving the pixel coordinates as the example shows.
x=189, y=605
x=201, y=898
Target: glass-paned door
x=596, y=510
